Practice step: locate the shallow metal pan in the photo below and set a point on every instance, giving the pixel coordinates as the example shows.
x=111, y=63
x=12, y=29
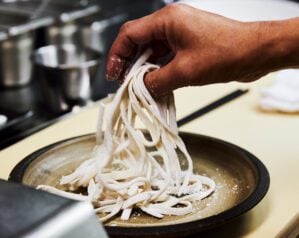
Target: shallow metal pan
x=242, y=181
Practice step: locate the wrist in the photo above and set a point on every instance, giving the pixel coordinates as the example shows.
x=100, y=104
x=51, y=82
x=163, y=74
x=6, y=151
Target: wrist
x=278, y=43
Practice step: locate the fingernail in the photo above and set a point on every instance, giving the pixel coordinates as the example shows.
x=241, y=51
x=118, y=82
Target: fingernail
x=127, y=64
x=114, y=67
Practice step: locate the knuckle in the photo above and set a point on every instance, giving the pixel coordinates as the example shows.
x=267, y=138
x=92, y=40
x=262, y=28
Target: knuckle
x=182, y=65
x=125, y=28
x=173, y=8
x=174, y=13
x=184, y=71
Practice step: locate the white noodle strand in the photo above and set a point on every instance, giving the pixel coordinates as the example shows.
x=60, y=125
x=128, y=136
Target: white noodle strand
x=132, y=168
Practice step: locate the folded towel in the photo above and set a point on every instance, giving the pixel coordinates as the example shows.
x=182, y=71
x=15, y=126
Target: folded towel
x=283, y=95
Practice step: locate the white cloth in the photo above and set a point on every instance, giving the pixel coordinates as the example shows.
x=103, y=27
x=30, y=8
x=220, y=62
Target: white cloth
x=283, y=95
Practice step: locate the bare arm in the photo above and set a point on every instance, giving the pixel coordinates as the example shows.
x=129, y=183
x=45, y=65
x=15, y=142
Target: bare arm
x=207, y=48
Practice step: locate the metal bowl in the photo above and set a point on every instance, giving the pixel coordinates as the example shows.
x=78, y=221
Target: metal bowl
x=65, y=73
x=242, y=181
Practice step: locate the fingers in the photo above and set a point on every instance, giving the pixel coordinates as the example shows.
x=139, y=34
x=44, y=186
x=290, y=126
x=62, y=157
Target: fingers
x=160, y=50
x=162, y=81
x=131, y=35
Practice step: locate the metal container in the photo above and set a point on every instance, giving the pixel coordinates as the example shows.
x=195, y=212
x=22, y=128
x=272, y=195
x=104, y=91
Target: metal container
x=100, y=34
x=15, y=50
x=59, y=34
x=65, y=73
x=18, y=21
x=15, y=64
x=17, y=31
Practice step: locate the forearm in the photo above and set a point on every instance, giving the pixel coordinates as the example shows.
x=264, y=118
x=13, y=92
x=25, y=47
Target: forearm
x=279, y=44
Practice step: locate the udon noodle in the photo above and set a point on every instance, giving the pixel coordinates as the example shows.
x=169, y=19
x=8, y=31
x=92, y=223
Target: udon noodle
x=132, y=168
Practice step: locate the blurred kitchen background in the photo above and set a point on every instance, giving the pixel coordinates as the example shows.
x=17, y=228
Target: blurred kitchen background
x=52, y=58
x=53, y=52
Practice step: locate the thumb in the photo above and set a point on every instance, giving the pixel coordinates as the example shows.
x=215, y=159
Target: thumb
x=162, y=81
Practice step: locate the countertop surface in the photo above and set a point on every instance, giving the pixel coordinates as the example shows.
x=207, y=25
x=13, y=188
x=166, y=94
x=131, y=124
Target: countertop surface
x=272, y=137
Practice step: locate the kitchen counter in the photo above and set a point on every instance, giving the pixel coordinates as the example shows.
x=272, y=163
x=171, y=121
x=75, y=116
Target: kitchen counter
x=272, y=137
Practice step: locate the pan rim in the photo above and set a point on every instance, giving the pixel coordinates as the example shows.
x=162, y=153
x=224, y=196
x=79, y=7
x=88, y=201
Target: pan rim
x=186, y=228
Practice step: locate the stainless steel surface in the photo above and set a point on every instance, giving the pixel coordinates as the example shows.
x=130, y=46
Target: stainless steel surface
x=97, y=35
x=9, y=18
x=16, y=22
x=31, y=26
x=65, y=73
x=71, y=16
x=65, y=30
x=22, y=16
x=19, y=19
x=15, y=64
x=27, y=212
x=62, y=11
x=76, y=221
x=40, y=9
x=15, y=49
x=59, y=34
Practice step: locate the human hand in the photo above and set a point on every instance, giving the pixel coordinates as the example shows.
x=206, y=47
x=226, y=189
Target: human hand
x=207, y=48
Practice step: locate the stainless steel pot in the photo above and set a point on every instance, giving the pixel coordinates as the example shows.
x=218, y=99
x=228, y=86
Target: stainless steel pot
x=15, y=64
x=63, y=33
x=17, y=31
x=65, y=73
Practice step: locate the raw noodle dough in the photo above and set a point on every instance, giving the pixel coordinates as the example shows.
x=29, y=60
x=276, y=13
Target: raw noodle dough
x=130, y=170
